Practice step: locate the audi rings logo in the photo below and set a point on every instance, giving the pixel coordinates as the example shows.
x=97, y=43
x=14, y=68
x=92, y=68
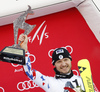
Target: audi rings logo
x=33, y=59
x=68, y=47
x=2, y=89
x=26, y=85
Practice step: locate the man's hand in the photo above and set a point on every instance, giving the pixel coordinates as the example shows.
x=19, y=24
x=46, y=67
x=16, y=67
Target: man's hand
x=24, y=41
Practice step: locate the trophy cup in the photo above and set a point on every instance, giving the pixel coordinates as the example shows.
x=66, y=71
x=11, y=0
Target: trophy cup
x=15, y=54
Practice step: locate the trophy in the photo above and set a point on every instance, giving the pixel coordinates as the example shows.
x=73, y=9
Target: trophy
x=15, y=54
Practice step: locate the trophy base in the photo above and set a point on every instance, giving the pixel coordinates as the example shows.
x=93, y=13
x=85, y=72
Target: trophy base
x=13, y=55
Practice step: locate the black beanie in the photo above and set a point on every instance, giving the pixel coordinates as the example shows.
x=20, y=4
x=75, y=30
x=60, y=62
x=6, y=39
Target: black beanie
x=60, y=53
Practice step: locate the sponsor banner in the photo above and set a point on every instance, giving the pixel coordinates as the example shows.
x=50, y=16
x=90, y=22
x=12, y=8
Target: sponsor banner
x=64, y=29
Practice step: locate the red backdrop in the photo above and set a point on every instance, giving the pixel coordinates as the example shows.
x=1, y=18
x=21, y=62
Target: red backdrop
x=64, y=29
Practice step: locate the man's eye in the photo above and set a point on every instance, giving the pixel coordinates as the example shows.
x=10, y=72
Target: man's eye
x=58, y=61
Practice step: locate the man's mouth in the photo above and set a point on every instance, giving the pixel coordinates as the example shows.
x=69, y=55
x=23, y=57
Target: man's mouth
x=64, y=68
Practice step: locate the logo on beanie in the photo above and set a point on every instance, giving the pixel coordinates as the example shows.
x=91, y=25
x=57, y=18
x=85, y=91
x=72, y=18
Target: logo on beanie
x=60, y=56
x=59, y=51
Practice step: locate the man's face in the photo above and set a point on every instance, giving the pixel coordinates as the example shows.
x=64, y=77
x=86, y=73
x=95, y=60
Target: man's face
x=63, y=65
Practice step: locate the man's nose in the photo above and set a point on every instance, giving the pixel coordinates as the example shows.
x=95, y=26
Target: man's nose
x=63, y=63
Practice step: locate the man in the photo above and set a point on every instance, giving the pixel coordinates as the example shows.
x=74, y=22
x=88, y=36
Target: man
x=64, y=80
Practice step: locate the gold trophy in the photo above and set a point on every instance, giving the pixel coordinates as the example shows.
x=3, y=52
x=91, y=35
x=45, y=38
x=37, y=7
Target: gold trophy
x=15, y=54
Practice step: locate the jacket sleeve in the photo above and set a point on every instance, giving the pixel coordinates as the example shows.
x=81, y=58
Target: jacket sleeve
x=27, y=67
x=39, y=79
